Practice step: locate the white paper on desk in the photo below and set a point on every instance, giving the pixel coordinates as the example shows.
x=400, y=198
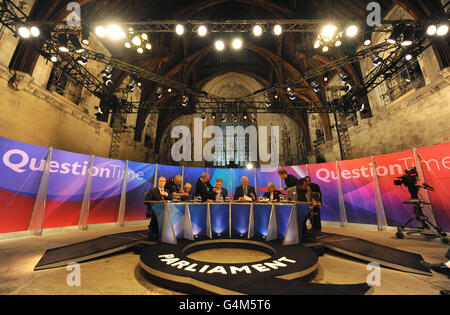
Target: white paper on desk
x=247, y=198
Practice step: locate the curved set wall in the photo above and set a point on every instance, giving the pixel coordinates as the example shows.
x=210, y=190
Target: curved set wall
x=350, y=191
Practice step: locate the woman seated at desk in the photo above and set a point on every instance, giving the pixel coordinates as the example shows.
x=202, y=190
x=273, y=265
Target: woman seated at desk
x=272, y=193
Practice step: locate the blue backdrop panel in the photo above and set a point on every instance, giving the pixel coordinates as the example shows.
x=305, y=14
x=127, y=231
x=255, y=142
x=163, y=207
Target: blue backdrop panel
x=177, y=212
x=237, y=175
x=283, y=212
x=198, y=214
x=261, y=216
x=302, y=210
x=220, y=219
x=264, y=176
x=159, y=212
x=224, y=174
x=240, y=218
x=169, y=171
x=192, y=174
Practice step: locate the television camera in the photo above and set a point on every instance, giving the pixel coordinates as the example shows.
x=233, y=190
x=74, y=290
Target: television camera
x=410, y=180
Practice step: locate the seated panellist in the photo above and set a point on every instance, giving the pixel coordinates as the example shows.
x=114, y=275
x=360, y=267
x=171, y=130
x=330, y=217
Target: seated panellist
x=245, y=192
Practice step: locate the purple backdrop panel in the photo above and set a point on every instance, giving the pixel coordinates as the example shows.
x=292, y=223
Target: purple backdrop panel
x=192, y=174
x=169, y=171
x=326, y=177
x=141, y=177
x=66, y=184
x=358, y=190
x=21, y=168
x=107, y=179
x=388, y=168
x=264, y=176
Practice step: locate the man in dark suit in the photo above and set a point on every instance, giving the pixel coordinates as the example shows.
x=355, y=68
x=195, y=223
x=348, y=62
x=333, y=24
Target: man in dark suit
x=204, y=189
x=316, y=195
x=158, y=193
x=220, y=192
x=245, y=191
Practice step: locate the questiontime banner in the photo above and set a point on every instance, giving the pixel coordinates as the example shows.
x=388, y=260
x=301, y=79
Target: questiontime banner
x=22, y=165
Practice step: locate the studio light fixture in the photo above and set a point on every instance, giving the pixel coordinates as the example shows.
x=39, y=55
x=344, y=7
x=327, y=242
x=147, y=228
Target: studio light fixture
x=351, y=31
x=315, y=87
x=54, y=59
x=85, y=34
x=249, y=166
x=408, y=36
x=325, y=48
x=136, y=41
x=144, y=36
x=237, y=44
x=376, y=60
x=431, y=30
x=63, y=43
x=367, y=37
x=159, y=92
x=257, y=30
x=185, y=101
x=223, y=119
x=115, y=32
x=396, y=33
x=148, y=46
x=203, y=116
x=131, y=86
x=179, y=29
x=34, y=31
x=328, y=32
x=140, y=50
x=82, y=60
x=442, y=30
x=100, y=31
x=277, y=30
x=219, y=45
x=213, y=115
x=235, y=119
x=245, y=116
x=127, y=45
x=24, y=32
x=202, y=30
x=76, y=43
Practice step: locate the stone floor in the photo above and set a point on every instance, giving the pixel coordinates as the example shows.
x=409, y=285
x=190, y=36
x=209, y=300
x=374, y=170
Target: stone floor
x=120, y=273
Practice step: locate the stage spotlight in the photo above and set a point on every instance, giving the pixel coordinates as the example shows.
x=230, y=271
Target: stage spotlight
x=202, y=30
x=24, y=32
x=249, y=166
x=367, y=37
x=85, y=35
x=159, y=92
x=100, y=31
x=376, y=60
x=237, y=43
x=317, y=44
x=328, y=32
x=245, y=116
x=344, y=77
x=220, y=45
x=115, y=32
x=352, y=31
x=109, y=83
x=148, y=46
x=257, y=30
x=223, y=119
x=235, y=119
x=254, y=118
x=442, y=30
x=139, y=84
x=144, y=36
x=185, y=101
x=140, y=50
x=132, y=86
x=347, y=88
x=277, y=29
x=169, y=90
x=396, y=33
x=63, y=43
x=291, y=94
x=213, y=116
x=409, y=57
x=82, y=60
x=431, y=30
x=268, y=102
x=203, y=116
x=179, y=29
x=338, y=43
x=76, y=43
x=325, y=48
x=325, y=78
x=315, y=87
x=408, y=36
x=106, y=73
x=54, y=59
x=128, y=45
x=136, y=41
x=34, y=31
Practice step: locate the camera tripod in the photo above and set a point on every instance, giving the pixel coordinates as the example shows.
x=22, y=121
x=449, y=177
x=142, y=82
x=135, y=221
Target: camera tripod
x=423, y=223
